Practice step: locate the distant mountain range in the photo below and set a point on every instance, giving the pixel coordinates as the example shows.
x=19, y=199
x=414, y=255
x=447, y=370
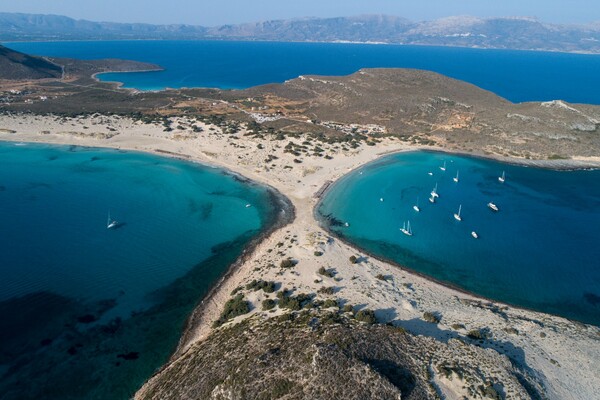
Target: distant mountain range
x=500, y=33
x=19, y=66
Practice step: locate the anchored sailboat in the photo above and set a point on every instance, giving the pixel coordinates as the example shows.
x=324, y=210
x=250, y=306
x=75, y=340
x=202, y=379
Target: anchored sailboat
x=475, y=235
x=502, y=178
x=443, y=168
x=406, y=229
x=455, y=179
x=434, y=192
x=111, y=223
x=416, y=206
x=457, y=215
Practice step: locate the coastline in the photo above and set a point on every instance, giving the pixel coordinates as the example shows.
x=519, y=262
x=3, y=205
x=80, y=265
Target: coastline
x=298, y=186
x=119, y=85
x=200, y=315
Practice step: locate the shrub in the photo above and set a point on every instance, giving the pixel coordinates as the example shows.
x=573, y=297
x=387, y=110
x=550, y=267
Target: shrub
x=233, y=308
x=287, y=263
x=293, y=303
x=348, y=308
x=512, y=331
x=330, y=303
x=268, y=304
x=318, y=253
x=431, y=317
x=458, y=326
x=327, y=290
x=381, y=277
x=326, y=272
x=267, y=287
x=475, y=334
x=366, y=315
x=353, y=259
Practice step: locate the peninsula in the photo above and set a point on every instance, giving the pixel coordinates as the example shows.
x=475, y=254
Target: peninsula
x=305, y=315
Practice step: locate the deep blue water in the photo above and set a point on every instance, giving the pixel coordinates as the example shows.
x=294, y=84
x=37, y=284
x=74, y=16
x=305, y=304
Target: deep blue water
x=515, y=75
x=87, y=312
x=540, y=251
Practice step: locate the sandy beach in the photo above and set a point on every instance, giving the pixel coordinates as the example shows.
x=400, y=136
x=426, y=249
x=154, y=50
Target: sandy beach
x=563, y=355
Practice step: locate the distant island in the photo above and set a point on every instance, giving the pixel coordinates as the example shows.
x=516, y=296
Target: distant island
x=519, y=33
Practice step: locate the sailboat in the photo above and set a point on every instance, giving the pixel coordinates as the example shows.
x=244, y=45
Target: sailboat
x=406, y=229
x=111, y=223
x=502, y=178
x=444, y=167
x=432, y=199
x=475, y=235
x=457, y=215
x=416, y=206
x=455, y=179
x=434, y=192
x=493, y=206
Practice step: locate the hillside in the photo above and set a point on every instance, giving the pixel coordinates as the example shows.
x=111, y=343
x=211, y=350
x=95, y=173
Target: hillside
x=20, y=66
x=500, y=33
x=328, y=356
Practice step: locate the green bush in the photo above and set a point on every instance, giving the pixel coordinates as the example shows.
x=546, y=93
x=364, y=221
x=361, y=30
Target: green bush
x=431, y=317
x=287, y=263
x=327, y=290
x=381, y=277
x=348, y=308
x=366, y=315
x=267, y=287
x=326, y=272
x=353, y=259
x=318, y=253
x=330, y=303
x=268, y=304
x=233, y=308
x=476, y=334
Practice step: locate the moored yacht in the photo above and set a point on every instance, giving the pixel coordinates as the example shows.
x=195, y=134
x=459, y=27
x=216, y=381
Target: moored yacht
x=457, y=215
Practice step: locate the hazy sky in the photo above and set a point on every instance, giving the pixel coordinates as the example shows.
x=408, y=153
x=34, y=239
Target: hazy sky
x=217, y=12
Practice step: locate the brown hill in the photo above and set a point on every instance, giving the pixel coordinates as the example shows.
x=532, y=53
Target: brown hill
x=19, y=66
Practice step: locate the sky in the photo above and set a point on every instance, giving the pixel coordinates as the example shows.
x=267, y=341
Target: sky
x=219, y=12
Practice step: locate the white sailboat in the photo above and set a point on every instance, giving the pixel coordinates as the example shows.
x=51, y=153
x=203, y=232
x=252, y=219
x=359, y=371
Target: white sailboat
x=432, y=199
x=430, y=173
x=406, y=229
x=502, y=178
x=455, y=179
x=416, y=206
x=111, y=223
x=443, y=168
x=493, y=206
x=381, y=199
x=457, y=215
x=475, y=235
x=434, y=192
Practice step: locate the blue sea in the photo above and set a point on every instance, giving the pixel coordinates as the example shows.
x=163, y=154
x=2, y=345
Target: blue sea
x=89, y=312
x=515, y=75
x=539, y=251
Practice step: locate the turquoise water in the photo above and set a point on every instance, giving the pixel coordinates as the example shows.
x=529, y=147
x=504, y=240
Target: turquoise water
x=539, y=251
x=515, y=75
x=87, y=312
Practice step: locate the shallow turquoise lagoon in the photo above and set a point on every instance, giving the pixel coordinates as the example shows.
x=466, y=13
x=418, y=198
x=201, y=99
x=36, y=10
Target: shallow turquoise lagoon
x=540, y=250
x=90, y=312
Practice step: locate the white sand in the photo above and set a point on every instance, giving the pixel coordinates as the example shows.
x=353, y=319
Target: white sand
x=564, y=355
